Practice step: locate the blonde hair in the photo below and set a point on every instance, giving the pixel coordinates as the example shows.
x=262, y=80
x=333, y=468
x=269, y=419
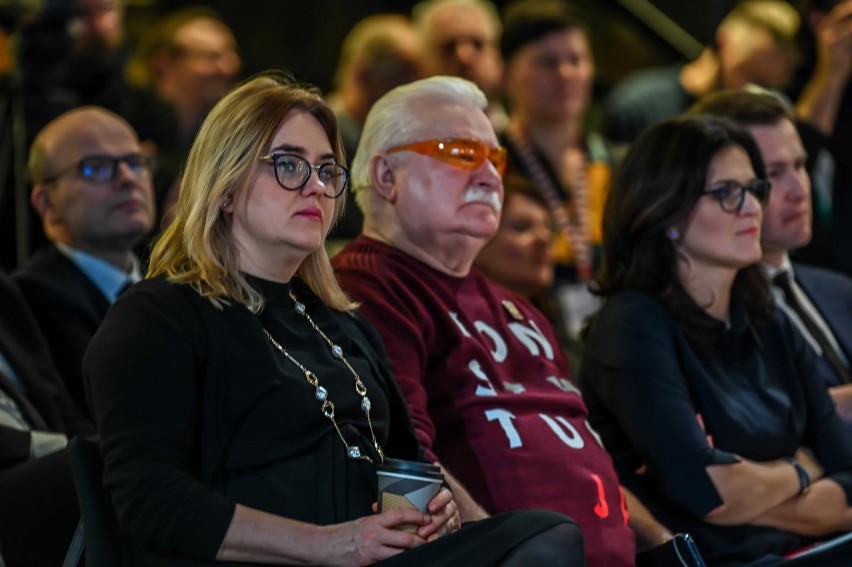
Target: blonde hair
x=198, y=248
x=777, y=17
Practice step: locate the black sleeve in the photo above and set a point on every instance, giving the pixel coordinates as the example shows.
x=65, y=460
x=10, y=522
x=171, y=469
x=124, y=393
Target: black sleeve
x=826, y=434
x=633, y=363
x=146, y=386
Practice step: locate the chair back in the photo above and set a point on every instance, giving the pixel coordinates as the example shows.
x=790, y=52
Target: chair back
x=100, y=526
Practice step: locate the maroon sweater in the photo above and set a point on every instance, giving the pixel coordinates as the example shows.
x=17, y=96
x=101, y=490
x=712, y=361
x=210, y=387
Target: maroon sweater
x=489, y=392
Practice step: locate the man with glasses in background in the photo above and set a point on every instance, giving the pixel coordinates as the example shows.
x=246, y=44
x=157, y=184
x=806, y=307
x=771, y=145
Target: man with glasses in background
x=92, y=189
x=487, y=384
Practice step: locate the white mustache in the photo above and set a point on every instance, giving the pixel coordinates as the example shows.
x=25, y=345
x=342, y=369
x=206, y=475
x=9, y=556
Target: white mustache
x=481, y=195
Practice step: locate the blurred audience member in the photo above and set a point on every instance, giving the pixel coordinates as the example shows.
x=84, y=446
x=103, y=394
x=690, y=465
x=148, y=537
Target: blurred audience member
x=98, y=60
x=37, y=417
x=549, y=76
x=66, y=54
x=824, y=104
x=182, y=68
x=380, y=53
x=819, y=302
x=754, y=43
x=520, y=255
x=459, y=38
x=92, y=190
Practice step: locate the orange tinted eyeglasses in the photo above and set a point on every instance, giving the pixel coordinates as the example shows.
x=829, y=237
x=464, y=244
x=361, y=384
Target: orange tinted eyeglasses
x=459, y=152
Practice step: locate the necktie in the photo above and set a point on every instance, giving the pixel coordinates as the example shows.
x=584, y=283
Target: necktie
x=782, y=280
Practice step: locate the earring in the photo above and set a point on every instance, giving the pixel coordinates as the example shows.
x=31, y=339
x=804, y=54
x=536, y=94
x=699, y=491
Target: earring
x=226, y=202
x=672, y=233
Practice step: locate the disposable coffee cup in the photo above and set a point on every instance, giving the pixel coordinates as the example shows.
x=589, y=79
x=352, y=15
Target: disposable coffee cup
x=408, y=484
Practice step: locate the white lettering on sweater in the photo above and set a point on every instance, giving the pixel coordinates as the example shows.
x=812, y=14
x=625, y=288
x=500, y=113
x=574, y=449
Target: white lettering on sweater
x=532, y=338
x=568, y=434
x=504, y=418
x=481, y=390
x=563, y=429
x=455, y=317
x=500, y=350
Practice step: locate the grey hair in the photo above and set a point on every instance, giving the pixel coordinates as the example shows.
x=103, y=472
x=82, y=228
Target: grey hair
x=393, y=120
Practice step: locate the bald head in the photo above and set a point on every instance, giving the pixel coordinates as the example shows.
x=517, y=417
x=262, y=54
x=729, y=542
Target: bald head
x=91, y=183
x=88, y=125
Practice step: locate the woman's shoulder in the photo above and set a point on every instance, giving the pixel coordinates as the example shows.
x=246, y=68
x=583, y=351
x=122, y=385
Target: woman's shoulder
x=629, y=313
x=153, y=291
x=634, y=303
x=159, y=295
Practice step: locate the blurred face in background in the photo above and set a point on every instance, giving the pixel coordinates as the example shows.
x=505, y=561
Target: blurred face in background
x=205, y=62
x=397, y=65
x=551, y=79
x=520, y=255
x=461, y=41
x=749, y=54
x=99, y=26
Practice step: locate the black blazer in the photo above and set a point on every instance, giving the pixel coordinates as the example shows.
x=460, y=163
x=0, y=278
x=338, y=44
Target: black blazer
x=165, y=351
x=47, y=405
x=69, y=309
x=831, y=294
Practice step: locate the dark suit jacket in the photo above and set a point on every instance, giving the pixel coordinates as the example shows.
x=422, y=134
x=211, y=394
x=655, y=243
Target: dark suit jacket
x=47, y=405
x=69, y=309
x=831, y=294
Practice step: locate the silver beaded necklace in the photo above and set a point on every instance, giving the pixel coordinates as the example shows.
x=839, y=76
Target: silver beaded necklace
x=321, y=394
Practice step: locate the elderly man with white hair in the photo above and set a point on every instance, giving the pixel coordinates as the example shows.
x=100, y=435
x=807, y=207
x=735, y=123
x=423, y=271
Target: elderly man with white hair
x=487, y=385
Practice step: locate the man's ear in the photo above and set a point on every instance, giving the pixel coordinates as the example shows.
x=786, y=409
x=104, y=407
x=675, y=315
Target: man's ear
x=41, y=201
x=383, y=178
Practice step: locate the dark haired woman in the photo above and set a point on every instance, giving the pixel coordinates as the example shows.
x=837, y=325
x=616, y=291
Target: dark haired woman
x=704, y=396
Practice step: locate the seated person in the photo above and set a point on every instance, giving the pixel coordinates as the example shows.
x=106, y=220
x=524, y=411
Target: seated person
x=243, y=404
x=550, y=72
x=487, y=384
x=92, y=190
x=520, y=256
x=818, y=301
x=706, y=397
x=39, y=510
x=379, y=52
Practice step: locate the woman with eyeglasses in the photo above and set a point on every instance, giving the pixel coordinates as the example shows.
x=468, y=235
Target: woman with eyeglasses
x=705, y=396
x=243, y=404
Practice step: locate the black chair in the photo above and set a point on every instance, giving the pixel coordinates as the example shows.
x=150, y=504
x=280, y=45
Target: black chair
x=101, y=533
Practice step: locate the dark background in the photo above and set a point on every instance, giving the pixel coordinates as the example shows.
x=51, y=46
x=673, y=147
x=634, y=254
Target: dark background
x=305, y=36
